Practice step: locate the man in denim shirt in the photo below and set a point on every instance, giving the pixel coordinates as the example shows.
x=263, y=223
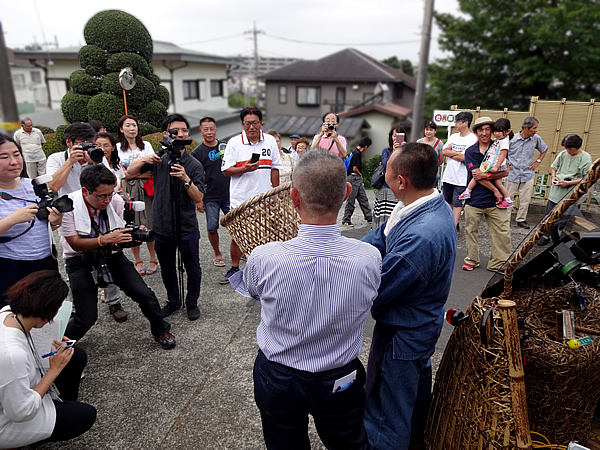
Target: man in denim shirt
x=418, y=246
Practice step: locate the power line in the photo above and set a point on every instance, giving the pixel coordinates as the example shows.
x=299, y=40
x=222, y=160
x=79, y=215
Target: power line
x=213, y=40
x=358, y=44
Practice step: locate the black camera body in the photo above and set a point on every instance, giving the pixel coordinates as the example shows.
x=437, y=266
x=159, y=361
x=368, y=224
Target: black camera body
x=331, y=126
x=95, y=152
x=40, y=187
x=172, y=146
x=98, y=258
x=137, y=234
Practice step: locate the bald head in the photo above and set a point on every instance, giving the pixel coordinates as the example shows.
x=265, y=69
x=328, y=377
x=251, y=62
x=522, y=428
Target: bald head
x=320, y=179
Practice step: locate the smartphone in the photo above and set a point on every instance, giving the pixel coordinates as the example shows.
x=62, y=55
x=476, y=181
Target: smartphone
x=70, y=343
x=399, y=138
x=255, y=158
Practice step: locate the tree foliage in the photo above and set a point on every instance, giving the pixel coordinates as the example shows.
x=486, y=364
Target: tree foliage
x=502, y=53
x=115, y=40
x=402, y=64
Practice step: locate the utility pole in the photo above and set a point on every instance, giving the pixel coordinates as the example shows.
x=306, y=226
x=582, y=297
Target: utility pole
x=9, y=112
x=419, y=103
x=255, y=34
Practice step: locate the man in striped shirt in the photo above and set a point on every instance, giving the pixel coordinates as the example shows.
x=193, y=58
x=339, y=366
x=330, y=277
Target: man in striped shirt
x=316, y=291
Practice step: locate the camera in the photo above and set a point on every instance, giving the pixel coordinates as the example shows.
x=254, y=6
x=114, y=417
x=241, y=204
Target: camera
x=96, y=153
x=98, y=259
x=40, y=187
x=173, y=146
x=137, y=234
x=331, y=126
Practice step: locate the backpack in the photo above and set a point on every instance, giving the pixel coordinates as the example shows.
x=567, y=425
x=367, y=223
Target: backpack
x=347, y=161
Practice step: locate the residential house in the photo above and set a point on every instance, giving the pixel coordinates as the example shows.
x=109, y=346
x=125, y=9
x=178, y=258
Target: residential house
x=196, y=81
x=349, y=83
x=28, y=82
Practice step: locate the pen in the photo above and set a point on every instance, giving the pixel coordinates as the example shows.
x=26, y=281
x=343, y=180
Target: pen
x=52, y=353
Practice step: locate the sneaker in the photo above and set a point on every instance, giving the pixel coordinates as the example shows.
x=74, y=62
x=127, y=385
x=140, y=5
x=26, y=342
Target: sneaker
x=465, y=195
x=169, y=309
x=346, y=224
x=230, y=272
x=503, y=204
x=166, y=340
x=118, y=312
x=545, y=240
x=523, y=224
x=469, y=267
x=193, y=312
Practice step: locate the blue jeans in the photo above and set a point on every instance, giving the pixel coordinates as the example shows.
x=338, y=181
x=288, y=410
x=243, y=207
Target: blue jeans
x=399, y=402
x=166, y=250
x=212, y=210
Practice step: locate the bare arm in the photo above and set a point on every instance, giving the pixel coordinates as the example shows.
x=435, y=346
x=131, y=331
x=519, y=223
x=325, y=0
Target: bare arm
x=274, y=177
x=237, y=171
x=85, y=244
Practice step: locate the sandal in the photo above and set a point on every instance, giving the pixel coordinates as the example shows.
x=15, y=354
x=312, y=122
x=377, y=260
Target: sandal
x=141, y=270
x=219, y=262
x=150, y=271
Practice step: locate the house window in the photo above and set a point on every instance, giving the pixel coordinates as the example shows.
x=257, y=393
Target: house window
x=19, y=81
x=308, y=96
x=36, y=77
x=190, y=89
x=216, y=88
x=282, y=95
x=398, y=91
x=202, y=90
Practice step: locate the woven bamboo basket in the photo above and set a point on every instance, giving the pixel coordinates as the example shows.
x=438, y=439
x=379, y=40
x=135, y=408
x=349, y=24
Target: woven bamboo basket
x=265, y=218
x=526, y=379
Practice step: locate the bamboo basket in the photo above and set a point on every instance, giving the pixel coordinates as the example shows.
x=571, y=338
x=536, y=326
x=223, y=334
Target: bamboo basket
x=486, y=397
x=265, y=218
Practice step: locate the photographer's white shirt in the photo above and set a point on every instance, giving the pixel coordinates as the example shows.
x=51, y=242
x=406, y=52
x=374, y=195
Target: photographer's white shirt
x=57, y=160
x=239, y=150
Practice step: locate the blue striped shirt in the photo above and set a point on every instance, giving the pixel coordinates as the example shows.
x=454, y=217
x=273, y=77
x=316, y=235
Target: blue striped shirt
x=316, y=291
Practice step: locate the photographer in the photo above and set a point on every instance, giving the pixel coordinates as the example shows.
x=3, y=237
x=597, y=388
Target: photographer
x=25, y=241
x=88, y=246
x=328, y=139
x=179, y=179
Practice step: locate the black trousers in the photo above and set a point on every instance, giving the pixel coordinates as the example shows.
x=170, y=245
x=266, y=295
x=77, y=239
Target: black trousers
x=286, y=396
x=85, y=293
x=73, y=418
x=14, y=270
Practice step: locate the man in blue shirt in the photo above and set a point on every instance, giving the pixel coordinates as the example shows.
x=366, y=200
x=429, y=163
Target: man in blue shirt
x=315, y=292
x=418, y=246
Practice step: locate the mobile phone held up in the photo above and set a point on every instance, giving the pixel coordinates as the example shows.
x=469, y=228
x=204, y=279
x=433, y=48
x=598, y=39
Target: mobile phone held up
x=255, y=158
x=399, y=138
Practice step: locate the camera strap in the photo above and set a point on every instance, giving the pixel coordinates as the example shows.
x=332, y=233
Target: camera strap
x=103, y=219
x=4, y=239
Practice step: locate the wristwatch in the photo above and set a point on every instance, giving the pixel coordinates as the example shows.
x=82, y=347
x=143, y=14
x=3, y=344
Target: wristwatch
x=188, y=184
x=488, y=176
x=538, y=161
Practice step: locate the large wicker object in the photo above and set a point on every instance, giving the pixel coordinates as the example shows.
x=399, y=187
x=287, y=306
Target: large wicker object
x=477, y=394
x=265, y=218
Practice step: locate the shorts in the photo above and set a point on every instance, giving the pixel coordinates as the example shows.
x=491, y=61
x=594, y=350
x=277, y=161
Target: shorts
x=212, y=210
x=451, y=193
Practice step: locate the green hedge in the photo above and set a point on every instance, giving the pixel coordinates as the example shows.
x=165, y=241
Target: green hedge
x=53, y=145
x=162, y=95
x=116, y=31
x=119, y=61
x=92, y=55
x=74, y=107
x=153, y=113
x=146, y=128
x=106, y=108
x=95, y=71
x=141, y=94
x=82, y=83
x=369, y=167
x=110, y=85
x=60, y=133
x=44, y=129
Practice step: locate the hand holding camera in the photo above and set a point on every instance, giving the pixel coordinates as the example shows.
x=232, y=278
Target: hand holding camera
x=178, y=171
x=24, y=214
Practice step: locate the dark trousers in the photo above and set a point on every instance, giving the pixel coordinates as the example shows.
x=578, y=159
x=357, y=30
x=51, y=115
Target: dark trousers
x=166, y=250
x=358, y=193
x=73, y=418
x=85, y=293
x=13, y=270
x=286, y=396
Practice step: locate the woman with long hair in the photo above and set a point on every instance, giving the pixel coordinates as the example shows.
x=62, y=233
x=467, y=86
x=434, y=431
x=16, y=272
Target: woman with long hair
x=385, y=200
x=25, y=239
x=108, y=144
x=131, y=147
x=38, y=405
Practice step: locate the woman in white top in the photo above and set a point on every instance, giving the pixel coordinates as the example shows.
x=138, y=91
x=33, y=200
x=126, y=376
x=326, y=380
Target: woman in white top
x=131, y=147
x=285, y=173
x=108, y=144
x=38, y=405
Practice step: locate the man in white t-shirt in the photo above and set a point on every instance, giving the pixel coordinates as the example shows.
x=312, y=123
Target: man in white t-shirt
x=455, y=174
x=248, y=178
x=31, y=140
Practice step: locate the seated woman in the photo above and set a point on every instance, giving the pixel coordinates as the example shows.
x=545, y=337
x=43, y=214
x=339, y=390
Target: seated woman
x=31, y=411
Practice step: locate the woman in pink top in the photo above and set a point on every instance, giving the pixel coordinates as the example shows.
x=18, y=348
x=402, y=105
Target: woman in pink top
x=328, y=139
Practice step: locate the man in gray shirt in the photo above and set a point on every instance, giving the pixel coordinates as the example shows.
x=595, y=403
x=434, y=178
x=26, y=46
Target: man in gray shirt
x=31, y=139
x=521, y=178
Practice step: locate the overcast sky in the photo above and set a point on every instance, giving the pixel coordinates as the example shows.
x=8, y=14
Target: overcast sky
x=218, y=27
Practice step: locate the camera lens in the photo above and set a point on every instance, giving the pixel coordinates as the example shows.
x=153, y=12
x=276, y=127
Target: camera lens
x=63, y=204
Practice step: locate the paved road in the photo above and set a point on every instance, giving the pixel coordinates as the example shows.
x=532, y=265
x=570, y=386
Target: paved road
x=199, y=395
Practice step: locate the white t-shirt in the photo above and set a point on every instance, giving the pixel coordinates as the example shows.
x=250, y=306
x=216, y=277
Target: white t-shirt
x=56, y=161
x=128, y=156
x=33, y=416
x=250, y=184
x=456, y=171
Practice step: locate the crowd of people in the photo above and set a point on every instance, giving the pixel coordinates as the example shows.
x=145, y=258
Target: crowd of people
x=316, y=290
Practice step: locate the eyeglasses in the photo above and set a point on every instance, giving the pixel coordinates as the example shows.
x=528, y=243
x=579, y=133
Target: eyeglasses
x=104, y=197
x=251, y=124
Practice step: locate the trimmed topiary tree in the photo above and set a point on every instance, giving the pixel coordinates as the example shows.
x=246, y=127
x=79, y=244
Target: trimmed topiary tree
x=115, y=40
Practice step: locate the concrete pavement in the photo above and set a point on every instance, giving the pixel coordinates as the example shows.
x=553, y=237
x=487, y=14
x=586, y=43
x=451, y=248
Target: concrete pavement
x=200, y=394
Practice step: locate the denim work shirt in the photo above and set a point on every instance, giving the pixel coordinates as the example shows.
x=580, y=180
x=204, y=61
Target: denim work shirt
x=418, y=261
x=521, y=155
